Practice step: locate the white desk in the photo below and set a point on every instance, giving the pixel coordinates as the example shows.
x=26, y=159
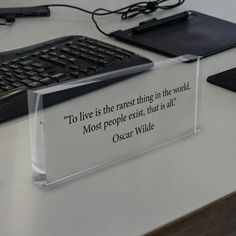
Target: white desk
x=136, y=196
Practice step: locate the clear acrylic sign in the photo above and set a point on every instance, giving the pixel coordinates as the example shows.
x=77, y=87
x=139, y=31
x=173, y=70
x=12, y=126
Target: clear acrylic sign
x=111, y=117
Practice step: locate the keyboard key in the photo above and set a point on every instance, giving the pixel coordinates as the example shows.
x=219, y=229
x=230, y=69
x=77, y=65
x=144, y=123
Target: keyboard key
x=75, y=74
x=3, y=82
x=63, y=56
x=29, y=68
x=127, y=53
x=45, y=51
x=63, y=79
x=45, y=75
x=7, y=87
x=66, y=50
x=57, y=76
x=53, y=54
x=12, y=79
x=15, y=60
x=4, y=69
x=40, y=70
x=102, y=62
x=36, y=54
x=35, y=84
x=25, y=63
x=17, y=84
x=45, y=57
x=58, y=61
x=13, y=66
x=74, y=68
x=8, y=74
x=36, y=77
x=30, y=73
x=38, y=64
x=83, y=70
x=93, y=68
x=26, y=81
x=21, y=77
x=48, y=81
x=19, y=71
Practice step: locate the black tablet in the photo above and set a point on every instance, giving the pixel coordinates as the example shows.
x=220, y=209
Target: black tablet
x=189, y=32
x=226, y=79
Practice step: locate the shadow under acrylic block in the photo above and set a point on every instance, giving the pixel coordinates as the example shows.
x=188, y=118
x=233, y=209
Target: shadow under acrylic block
x=89, y=124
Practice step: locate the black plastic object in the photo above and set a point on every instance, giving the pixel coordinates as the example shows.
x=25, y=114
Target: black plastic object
x=226, y=79
x=9, y=14
x=188, y=32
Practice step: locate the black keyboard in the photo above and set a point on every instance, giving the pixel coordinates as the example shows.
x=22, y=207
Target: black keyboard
x=56, y=61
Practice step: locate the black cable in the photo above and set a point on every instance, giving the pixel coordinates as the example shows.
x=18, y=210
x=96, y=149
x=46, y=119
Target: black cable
x=95, y=22
x=127, y=12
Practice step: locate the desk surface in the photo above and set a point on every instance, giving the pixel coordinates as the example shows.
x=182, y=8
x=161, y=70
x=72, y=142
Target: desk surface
x=136, y=196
